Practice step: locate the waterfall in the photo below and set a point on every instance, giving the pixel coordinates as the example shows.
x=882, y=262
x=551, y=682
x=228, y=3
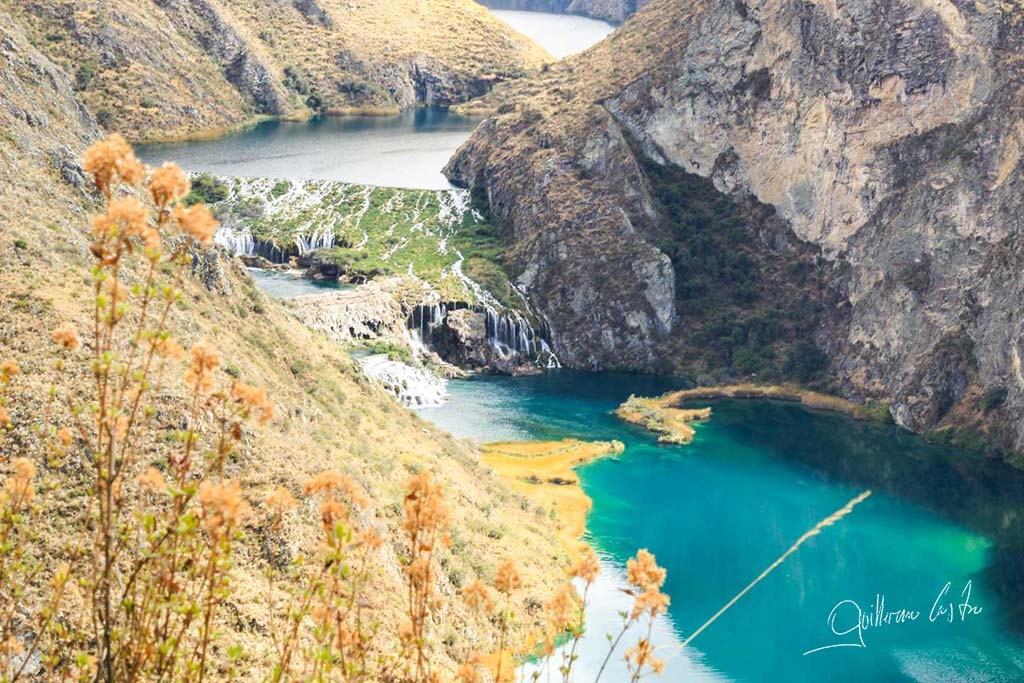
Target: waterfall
x=509, y=334
x=414, y=387
x=320, y=238
x=238, y=242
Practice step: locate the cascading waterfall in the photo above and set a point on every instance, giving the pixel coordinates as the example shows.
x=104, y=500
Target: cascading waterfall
x=508, y=334
x=238, y=242
x=318, y=239
x=414, y=387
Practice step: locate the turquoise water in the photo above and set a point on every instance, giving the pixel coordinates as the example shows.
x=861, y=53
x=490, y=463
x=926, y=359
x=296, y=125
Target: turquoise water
x=760, y=474
x=290, y=284
x=408, y=150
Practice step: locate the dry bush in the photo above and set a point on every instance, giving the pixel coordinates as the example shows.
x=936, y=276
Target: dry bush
x=139, y=589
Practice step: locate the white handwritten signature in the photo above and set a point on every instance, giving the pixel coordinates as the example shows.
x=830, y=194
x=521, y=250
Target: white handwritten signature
x=849, y=621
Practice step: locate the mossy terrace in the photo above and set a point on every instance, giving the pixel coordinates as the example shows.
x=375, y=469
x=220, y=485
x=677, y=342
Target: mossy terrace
x=366, y=231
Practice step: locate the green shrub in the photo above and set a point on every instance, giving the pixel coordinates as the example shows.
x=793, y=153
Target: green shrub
x=207, y=190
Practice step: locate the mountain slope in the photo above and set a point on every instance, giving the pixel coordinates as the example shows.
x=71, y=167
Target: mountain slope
x=329, y=416
x=863, y=159
x=174, y=68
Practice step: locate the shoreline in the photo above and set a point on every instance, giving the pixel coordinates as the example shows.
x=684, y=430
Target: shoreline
x=544, y=472
x=815, y=400
x=217, y=132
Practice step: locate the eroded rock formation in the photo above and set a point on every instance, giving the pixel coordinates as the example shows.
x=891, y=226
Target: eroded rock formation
x=867, y=156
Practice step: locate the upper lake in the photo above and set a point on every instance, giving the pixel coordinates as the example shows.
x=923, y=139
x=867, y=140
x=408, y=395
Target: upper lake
x=408, y=150
x=561, y=35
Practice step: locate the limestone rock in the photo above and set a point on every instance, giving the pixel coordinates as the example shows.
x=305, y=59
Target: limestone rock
x=869, y=155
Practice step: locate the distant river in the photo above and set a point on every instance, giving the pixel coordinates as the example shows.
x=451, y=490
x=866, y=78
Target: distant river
x=560, y=34
x=408, y=150
x=760, y=474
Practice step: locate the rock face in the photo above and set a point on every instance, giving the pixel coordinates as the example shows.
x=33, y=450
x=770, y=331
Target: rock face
x=174, y=68
x=869, y=154
x=615, y=11
x=368, y=312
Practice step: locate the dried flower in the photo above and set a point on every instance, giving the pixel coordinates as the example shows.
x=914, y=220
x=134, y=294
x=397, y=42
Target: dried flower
x=477, y=597
x=64, y=436
x=254, y=399
x=331, y=482
x=587, y=567
x=224, y=508
x=197, y=221
x=5, y=419
x=24, y=468
x=425, y=507
x=152, y=480
x=507, y=578
x=18, y=486
x=168, y=348
x=67, y=336
x=369, y=538
x=560, y=610
x=280, y=500
x=110, y=160
x=115, y=290
x=642, y=655
x=652, y=602
x=128, y=214
x=8, y=369
x=469, y=671
x=204, y=360
x=643, y=572
x=332, y=512
x=168, y=184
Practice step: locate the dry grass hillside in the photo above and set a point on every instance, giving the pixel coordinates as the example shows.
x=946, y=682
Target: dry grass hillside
x=179, y=68
x=328, y=416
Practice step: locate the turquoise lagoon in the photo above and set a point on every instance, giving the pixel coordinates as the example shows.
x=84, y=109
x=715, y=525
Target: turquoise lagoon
x=759, y=474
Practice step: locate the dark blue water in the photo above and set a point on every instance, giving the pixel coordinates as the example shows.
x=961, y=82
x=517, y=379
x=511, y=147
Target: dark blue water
x=408, y=150
x=760, y=474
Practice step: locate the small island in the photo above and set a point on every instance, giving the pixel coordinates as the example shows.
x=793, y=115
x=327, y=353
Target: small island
x=660, y=415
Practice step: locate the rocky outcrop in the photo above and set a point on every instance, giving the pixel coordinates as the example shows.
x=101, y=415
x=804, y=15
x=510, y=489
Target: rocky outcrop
x=244, y=65
x=869, y=155
x=368, y=312
x=615, y=11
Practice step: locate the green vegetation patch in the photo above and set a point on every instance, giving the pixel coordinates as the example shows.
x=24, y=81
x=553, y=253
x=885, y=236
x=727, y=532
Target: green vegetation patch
x=750, y=295
x=365, y=232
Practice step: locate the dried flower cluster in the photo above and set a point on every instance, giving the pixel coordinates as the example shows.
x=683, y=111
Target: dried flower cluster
x=160, y=523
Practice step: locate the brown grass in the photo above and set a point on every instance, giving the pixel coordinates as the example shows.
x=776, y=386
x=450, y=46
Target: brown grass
x=173, y=89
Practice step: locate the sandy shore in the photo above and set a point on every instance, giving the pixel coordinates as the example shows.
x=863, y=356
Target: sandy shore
x=543, y=472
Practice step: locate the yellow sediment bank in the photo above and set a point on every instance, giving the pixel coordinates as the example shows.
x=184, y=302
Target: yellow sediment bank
x=543, y=472
x=661, y=416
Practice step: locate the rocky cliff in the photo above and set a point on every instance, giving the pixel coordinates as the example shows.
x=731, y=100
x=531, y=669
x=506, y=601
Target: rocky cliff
x=615, y=11
x=172, y=68
x=819, y=190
